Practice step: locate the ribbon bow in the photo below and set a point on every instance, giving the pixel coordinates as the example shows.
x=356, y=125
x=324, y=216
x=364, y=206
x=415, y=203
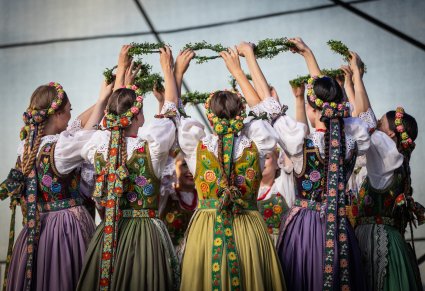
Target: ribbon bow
x=416, y=211
x=13, y=186
x=231, y=198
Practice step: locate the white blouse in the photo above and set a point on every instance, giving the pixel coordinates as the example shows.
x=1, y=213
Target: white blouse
x=159, y=134
x=191, y=131
x=383, y=157
x=68, y=146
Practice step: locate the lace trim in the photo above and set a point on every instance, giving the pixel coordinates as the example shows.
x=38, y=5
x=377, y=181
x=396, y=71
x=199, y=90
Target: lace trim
x=168, y=106
x=87, y=174
x=241, y=143
x=381, y=236
x=256, y=109
x=75, y=126
x=318, y=139
x=271, y=106
x=369, y=118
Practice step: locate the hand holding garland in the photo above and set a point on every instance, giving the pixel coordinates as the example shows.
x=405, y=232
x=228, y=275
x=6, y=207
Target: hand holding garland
x=124, y=61
x=340, y=48
x=182, y=64
x=231, y=58
x=131, y=72
x=246, y=50
x=348, y=84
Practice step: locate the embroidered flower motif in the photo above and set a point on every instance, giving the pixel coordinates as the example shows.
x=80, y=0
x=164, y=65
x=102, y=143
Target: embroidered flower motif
x=56, y=187
x=131, y=196
x=108, y=229
x=315, y=176
x=169, y=217
x=209, y=176
x=250, y=173
x=228, y=232
x=141, y=181
x=268, y=213
x=216, y=267
x=204, y=187
x=329, y=243
x=47, y=180
x=328, y=269
x=335, y=143
x=235, y=281
x=240, y=180
x=232, y=256
x=226, y=158
x=333, y=167
x=148, y=190
x=368, y=201
x=217, y=242
x=277, y=209
x=307, y=185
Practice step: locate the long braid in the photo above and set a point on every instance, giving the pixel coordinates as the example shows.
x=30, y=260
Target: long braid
x=29, y=158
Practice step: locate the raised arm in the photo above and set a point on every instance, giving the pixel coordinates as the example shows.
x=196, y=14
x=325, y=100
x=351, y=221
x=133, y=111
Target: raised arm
x=97, y=111
x=124, y=61
x=167, y=65
x=300, y=113
x=231, y=58
x=246, y=50
x=305, y=51
x=348, y=85
x=180, y=67
x=362, y=103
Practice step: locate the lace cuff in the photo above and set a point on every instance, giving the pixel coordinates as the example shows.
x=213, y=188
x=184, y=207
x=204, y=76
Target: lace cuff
x=369, y=118
x=75, y=126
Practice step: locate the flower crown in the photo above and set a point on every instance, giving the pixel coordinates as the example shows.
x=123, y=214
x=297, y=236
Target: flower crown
x=406, y=141
x=36, y=116
x=329, y=109
x=123, y=120
x=223, y=126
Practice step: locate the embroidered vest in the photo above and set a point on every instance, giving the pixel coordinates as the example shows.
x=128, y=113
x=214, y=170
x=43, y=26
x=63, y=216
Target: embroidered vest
x=310, y=182
x=53, y=186
x=208, y=173
x=141, y=190
x=272, y=210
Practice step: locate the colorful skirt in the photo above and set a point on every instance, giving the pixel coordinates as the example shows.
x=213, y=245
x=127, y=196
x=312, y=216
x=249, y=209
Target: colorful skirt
x=64, y=237
x=388, y=259
x=258, y=261
x=144, y=260
x=301, y=246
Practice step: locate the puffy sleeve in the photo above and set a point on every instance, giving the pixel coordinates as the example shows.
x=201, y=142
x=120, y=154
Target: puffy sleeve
x=382, y=159
x=262, y=134
x=291, y=134
x=369, y=118
x=68, y=149
x=190, y=132
x=358, y=130
x=98, y=140
x=160, y=135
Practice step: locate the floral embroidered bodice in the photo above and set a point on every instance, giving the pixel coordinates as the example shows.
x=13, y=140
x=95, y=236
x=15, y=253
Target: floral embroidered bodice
x=141, y=189
x=247, y=173
x=54, y=186
x=310, y=183
x=272, y=209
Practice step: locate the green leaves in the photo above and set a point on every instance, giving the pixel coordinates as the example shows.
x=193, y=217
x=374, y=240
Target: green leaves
x=340, y=48
x=145, y=48
x=269, y=48
x=301, y=80
x=194, y=97
x=204, y=46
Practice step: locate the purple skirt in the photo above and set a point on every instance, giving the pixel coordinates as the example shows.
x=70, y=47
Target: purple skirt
x=300, y=249
x=64, y=236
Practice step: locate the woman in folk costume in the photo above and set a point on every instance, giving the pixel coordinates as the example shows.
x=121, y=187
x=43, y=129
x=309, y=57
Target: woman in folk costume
x=131, y=249
x=317, y=246
x=385, y=201
x=227, y=244
x=49, y=251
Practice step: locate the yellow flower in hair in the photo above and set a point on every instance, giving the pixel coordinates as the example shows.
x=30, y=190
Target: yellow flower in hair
x=219, y=128
x=333, y=104
x=310, y=92
x=318, y=102
x=239, y=125
x=404, y=135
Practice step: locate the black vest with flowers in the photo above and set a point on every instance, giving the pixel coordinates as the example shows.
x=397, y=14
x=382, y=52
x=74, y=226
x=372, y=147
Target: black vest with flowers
x=311, y=181
x=53, y=186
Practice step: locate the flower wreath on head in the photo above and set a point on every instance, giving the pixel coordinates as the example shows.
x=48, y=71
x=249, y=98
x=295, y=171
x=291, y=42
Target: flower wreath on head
x=37, y=116
x=223, y=126
x=329, y=109
x=406, y=141
x=123, y=120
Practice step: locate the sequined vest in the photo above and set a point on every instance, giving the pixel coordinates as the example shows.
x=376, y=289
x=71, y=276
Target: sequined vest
x=141, y=190
x=310, y=183
x=208, y=173
x=54, y=186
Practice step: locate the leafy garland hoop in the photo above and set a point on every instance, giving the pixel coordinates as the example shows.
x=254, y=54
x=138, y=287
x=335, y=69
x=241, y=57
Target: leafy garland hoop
x=301, y=80
x=203, y=45
x=338, y=47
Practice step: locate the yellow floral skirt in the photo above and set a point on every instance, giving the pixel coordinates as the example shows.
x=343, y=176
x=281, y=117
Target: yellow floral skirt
x=259, y=265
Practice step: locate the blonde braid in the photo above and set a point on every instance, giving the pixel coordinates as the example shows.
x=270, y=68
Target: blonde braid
x=29, y=159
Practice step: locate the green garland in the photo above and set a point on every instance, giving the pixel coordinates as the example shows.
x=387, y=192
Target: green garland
x=109, y=75
x=204, y=46
x=269, y=48
x=145, y=48
x=340, y=48
x=332, y=73
x=194, y=97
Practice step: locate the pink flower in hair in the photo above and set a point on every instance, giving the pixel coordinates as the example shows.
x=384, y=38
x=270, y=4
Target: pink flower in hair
x=51, y=83
x=400, y=128
x=409, y=141
x=398, y=115
x=54, y=105
x=134, y=88
x=139, y=98
x=134, y=110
